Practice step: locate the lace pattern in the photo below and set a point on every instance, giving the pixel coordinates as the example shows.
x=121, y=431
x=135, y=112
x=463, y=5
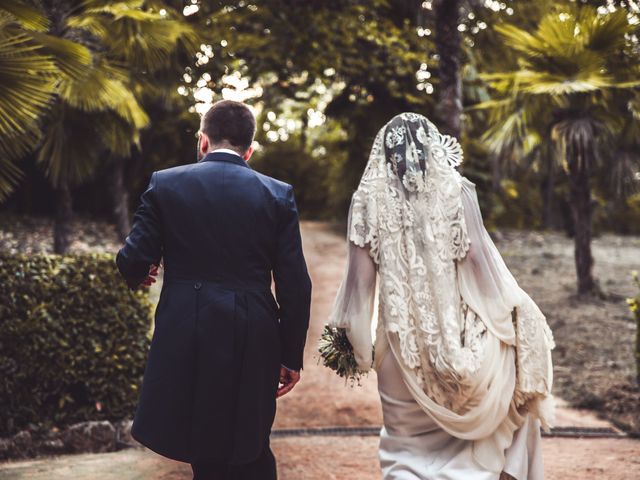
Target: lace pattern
x=534, y=341
x=408, y=210
x=415, y=228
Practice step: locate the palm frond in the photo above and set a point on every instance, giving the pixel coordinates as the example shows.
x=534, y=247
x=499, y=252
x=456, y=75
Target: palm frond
x=72, y=58
x=545, y=83
x=521, y=40
x=142, y=37
x=111, y=7
x=566, y=66
x=104, y=87
x=625, y=85
x=10, y=175
x=27, y=79
x=126, y=105
x=506, y=134
x=117, y=136
x=68, y=151
x=28, y=17
x=605, y=33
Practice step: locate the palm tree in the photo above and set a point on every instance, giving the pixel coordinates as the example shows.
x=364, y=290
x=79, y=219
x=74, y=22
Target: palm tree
x=91, y=65
x=30, y=64
x=47, y=107
x=72, y=140
x=573, y=70
x=143, y=41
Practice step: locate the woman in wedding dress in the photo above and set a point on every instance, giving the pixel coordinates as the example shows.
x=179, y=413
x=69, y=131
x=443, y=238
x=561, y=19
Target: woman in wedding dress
x=462, y=354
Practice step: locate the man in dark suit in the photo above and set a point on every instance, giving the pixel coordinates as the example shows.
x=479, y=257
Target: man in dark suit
x=222, y=348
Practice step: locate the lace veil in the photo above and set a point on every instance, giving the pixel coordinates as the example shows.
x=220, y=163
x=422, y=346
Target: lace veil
x=473, y=347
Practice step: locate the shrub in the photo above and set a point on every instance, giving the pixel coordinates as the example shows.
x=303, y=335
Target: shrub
x=73, y=340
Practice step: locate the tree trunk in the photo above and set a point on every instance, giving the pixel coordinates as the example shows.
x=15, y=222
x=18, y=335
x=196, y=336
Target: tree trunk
x=547, y=190
x=120, y=200
x=57, y=11
x=448, y=39
x=64, y=215
x=580, y=198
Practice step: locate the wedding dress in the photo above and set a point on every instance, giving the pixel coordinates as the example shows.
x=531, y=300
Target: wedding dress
x=462, y=354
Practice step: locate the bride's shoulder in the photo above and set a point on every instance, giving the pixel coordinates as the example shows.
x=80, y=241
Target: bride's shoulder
x=468, y=183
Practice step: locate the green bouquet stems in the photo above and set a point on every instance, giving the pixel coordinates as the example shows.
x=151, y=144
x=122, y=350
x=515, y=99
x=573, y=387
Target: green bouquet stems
x=337, y=354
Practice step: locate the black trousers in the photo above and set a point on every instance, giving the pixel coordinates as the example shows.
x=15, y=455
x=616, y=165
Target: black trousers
x=264, y=468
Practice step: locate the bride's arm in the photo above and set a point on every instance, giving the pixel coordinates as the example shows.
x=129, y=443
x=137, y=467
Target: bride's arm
x=485, y=282
x=353, y=308
x=489, y=289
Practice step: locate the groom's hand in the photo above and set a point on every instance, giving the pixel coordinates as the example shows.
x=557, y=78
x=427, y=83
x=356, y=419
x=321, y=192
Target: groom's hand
x=151, y=277
x=288, y=380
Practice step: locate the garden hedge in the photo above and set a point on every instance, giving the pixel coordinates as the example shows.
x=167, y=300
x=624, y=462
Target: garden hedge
x=73, y=340
x=634, y=305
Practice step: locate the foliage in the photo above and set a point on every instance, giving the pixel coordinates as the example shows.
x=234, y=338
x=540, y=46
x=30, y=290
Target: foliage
x=73, y=340
x=31, y=63
x=364, y=54
x=568, y=70
x=102, y=111
x=312, y=159
x=95, y=112
x=292, y=163
x=634, y=306
x=96, y=62
x=354, y=63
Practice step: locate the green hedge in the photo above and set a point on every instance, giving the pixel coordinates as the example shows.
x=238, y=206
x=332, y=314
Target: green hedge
x=73, y=340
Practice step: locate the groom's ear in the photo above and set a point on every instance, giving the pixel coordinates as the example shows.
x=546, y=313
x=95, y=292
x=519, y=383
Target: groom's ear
x=204, y=143
x=247, y=154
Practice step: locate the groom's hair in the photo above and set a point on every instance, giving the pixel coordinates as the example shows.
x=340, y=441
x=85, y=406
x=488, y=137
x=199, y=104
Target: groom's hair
x=229, y=121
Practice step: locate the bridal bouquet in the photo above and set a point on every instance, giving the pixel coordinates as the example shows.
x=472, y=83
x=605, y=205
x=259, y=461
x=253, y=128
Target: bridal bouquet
x=337, y=354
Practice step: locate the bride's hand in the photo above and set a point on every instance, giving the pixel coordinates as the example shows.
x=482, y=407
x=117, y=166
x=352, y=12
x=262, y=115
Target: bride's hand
x=288, y=380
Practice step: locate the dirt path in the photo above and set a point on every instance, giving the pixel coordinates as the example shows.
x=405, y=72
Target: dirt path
x=322, y=399
x=328, y=458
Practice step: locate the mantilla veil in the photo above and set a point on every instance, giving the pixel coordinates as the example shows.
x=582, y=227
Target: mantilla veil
x=473, y=348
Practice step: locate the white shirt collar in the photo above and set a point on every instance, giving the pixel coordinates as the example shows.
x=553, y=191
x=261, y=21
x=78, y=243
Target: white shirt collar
x=226, y=150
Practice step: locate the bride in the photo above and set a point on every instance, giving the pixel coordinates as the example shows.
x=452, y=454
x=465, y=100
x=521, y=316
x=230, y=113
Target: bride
x=462, y=354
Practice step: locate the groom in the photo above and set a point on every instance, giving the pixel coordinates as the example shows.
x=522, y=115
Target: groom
x=222, y=348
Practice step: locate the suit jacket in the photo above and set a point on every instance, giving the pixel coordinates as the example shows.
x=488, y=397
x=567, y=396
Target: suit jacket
x=223, y=232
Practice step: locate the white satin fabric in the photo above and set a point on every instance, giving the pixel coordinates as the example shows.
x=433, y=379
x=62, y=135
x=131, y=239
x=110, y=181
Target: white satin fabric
x=413, y=446
x=473, y=350
x=488, y=288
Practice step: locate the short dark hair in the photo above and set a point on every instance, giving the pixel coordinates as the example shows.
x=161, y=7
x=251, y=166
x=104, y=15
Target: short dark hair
x=230, y=121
